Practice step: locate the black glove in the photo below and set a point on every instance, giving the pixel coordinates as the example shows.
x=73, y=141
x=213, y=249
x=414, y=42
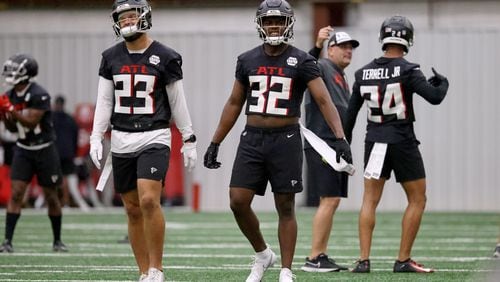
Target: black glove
x=210, y=159
x=437, y=79
x=343, y=150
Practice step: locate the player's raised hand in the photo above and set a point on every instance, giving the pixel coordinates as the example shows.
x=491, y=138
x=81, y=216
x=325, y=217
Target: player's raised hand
x=210, y=159
x=436, y=79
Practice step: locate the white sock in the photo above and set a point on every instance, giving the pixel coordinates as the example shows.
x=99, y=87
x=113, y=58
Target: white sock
x=263, y=254
x=284, y=269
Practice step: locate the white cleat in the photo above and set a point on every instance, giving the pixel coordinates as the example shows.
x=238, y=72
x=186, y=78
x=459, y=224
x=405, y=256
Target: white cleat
x=143, y=277
x=155, y=275
x=260, y=265
x=286, y=275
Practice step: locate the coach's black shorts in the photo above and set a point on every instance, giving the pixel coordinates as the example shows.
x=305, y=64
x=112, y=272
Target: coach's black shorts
x=68, y=166
x=43, y=163
x=151, y=163
x=273, y=155
x=322, y=179
x=404, y=158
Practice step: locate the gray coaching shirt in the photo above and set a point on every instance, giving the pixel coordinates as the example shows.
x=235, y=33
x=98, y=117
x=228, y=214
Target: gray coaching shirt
x=336, y=83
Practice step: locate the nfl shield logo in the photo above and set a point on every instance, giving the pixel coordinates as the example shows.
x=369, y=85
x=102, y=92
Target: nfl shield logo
x=155, y=60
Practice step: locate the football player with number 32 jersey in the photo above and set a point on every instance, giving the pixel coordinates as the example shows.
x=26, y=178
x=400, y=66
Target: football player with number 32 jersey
x=271, y=79
x=140, y=90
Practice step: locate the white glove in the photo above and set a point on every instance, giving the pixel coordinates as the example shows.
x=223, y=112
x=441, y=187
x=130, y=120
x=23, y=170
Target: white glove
x=188, y=150
x=96, y=153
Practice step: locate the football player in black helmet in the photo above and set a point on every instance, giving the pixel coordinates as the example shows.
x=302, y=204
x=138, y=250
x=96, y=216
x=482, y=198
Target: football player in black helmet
x=387, y=85
x=275, y=8
x=26, y=111
x=140, y=90
x=396, y=30
x=271, y=79
x=19, y=69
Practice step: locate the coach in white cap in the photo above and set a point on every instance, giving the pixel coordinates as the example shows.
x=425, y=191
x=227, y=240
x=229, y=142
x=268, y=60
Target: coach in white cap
x=340, y=38
x=324, y=184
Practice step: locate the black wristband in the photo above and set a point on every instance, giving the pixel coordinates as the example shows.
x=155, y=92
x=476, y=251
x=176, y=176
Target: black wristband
x=191, y=139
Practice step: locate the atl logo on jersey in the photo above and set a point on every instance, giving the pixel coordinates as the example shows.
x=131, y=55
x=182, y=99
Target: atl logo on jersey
x=262, y=70
x=134, y=69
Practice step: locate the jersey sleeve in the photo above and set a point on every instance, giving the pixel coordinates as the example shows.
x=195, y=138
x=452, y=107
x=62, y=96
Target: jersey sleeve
x=105, y=69
x=309, y=69
x=432, y=94
x=173, y=69
x=40, y=102
x=355, y=103
x=240, y=74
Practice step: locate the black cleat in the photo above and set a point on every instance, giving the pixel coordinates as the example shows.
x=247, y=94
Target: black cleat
x=321, y=264
x=496, y=254
x=410, y=265
x=59, y=246
x=6, y=246
x=362, y=266
x=124, y=240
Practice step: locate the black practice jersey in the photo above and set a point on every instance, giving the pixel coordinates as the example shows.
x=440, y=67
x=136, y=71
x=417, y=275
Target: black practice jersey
x=140, y=96
x=35, y=97
x=387, y=85
x=274, y=85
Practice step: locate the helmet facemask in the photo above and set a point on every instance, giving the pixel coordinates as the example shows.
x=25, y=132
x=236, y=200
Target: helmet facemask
x=285, y=33
x=141, y=14
x=15, y=73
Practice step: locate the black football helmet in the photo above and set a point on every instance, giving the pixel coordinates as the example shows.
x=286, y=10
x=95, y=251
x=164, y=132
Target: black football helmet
x=19, y=68
x=275, y=8
x=396, y=30
x=143, y=10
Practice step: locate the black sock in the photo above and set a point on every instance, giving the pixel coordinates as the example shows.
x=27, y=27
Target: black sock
x=404, y=261
x=56, y=220
x=10, y=225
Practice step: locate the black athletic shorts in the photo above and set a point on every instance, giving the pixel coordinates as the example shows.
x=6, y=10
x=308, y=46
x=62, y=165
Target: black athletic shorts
x=404, y=158
x=322, y=179
x=43, y=163
x=68, y=166
x=269, y=154
x=151, y=164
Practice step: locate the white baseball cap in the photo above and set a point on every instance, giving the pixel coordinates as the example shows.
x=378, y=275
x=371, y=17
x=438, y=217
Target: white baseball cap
x=342, y=37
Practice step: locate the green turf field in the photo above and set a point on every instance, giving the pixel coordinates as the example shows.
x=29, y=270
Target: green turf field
x=210, y=247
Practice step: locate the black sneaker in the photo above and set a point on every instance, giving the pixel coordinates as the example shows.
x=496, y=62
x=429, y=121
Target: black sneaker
x=6, y=246
x=321, y=264
x=410, y=265
x=362, y=266
x=59, y=246
x=496, y=254
x=124, y=240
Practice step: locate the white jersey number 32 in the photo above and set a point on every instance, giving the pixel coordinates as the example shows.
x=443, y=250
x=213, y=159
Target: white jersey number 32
x=269, y=105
